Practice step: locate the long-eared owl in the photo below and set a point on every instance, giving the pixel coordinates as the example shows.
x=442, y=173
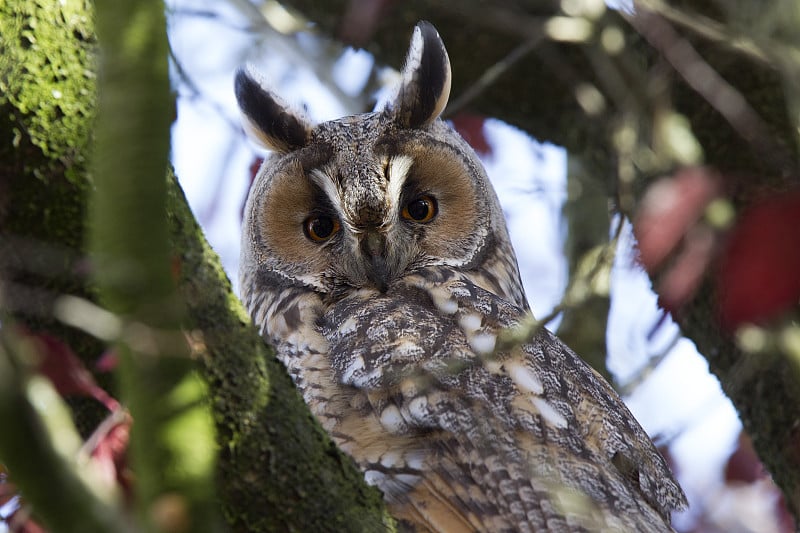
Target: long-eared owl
x=376, y=259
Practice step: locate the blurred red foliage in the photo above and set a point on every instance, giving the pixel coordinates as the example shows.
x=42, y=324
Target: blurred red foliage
x=675, y=243
x=470, y=127
x=109, y=446
x=67, y=372
x=669, y=209
x=757, y=262
x=759, y=272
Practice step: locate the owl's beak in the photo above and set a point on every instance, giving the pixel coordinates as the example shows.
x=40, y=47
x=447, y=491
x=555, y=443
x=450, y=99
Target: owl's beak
x=374, y=247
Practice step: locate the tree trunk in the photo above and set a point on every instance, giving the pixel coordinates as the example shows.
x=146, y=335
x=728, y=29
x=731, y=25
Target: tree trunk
x=277, y=469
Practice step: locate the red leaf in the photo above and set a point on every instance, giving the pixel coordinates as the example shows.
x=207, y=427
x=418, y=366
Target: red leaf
x=108, y=361
x=110, y=445
x=678, y=284
x=759, y=274
x=744, y=465
x=471, y=128
x=60, y=364
x=670, y=207
x=67, y=372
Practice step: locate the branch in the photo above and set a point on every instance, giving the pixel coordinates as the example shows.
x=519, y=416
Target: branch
x=172, y=447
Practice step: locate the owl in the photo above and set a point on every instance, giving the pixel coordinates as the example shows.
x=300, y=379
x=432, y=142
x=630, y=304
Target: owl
x=375, y=258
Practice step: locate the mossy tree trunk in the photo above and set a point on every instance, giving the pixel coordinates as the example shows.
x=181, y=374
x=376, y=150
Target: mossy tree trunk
x=277, y=470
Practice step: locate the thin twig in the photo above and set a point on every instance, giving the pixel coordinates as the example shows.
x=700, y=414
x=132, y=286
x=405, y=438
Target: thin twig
x=653, y=362
x=708, y=28
x=529, y=327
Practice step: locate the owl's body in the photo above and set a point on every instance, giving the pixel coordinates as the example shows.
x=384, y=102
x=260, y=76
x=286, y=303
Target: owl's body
x=376, y=259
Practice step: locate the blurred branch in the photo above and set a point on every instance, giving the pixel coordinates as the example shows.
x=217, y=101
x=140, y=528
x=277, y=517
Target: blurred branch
x=586, y=211
x=714, y=89
x=589, y=281
x=492, y=74
x=128, y=240
x=772, y=52
x=653, y=361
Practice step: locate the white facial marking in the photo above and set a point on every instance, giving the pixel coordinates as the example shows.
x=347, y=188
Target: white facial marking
x=397, y=172
x=323, y=180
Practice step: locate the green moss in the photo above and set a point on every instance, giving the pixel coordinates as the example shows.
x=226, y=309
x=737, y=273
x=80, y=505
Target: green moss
x=48, y=80
x=47, y=99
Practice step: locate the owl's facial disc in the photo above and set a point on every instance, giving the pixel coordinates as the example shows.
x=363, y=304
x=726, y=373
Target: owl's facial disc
x=364, y=212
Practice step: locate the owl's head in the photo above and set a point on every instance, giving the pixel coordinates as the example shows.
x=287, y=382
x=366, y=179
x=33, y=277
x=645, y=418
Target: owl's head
x=362, y=201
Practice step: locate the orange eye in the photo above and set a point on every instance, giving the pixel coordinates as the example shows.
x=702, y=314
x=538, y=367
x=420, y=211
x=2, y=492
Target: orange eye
x=320, y=229
x=420, y=209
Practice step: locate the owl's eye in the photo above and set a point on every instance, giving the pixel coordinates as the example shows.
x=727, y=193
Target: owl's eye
x=420, y=209
x=320, y=229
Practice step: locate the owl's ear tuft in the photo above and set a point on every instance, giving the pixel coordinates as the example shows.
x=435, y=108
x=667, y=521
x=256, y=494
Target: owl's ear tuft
x=424, y=82
x=266, y=118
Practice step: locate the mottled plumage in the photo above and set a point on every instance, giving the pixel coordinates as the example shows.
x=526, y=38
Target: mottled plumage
x=376, y=259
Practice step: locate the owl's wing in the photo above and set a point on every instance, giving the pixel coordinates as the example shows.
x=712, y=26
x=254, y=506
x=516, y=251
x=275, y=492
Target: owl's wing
x=528, y=440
